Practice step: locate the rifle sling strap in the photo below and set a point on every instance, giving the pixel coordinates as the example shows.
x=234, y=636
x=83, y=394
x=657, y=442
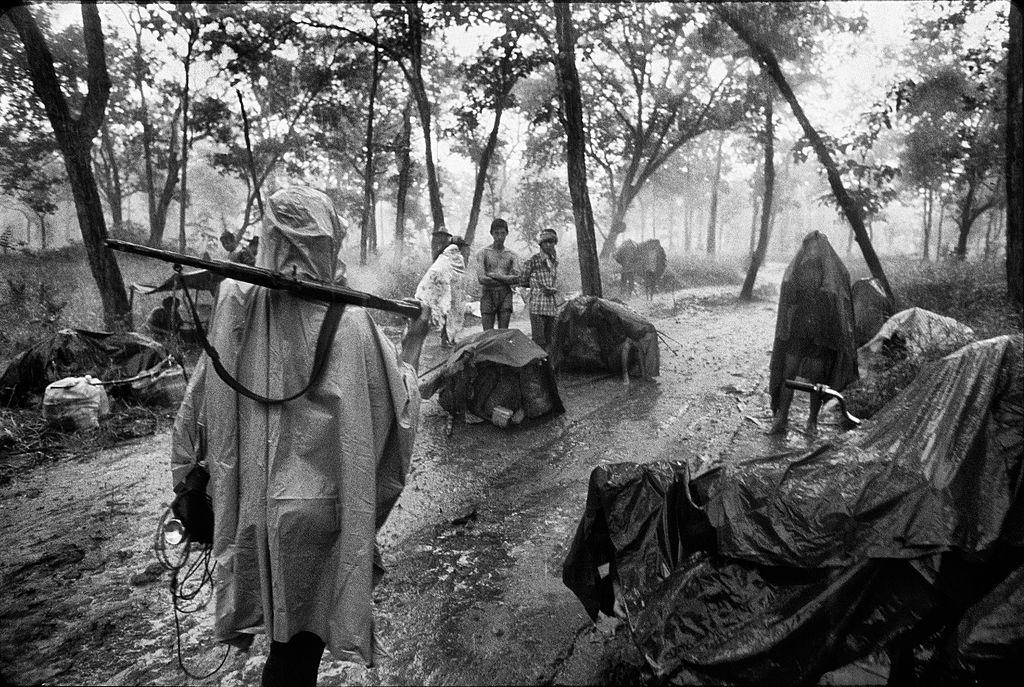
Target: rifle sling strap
x=323, y=344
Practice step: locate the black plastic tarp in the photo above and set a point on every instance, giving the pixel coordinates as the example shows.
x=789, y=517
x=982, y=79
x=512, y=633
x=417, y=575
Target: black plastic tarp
x=75, y=353
x=778, y=569
x=590, y=333
x=195, y=280
x=497, y=367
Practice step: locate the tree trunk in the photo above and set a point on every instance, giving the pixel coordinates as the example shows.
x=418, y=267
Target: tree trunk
x=74, y=137
x=757, y=256
x=414, y=75
x=158, y=216
x=712, y=239
x=964, y=221
x=481, y=172
x=929, y=200
x=687, y=232
x=1014, y=162
x=572, y=106
x=115, y=193
x=403, y=161
x=766, y=56
x=364, y=224
x=147, y=143
x=184, y=141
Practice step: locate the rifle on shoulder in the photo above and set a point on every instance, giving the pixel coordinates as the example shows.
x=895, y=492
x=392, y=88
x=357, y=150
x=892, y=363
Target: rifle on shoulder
x=301, y=288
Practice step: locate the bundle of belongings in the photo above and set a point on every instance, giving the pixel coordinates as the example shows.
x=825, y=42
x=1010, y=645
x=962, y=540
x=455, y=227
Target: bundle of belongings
x=130, y=366
x=871, y=308
x=592, y=333
x=913, y=333
x=498, y=375
x=903, y=535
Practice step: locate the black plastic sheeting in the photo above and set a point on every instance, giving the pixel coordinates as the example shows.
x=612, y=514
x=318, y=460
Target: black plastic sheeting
x=497, y=367
x=779, y=569
x=75, y=353
x=590, y=332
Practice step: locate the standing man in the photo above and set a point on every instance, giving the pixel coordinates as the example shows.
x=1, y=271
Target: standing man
x=540, y=273
x=299, y=487
x=496, y=266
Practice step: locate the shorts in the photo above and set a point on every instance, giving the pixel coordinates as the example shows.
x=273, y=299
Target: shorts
x=496, y=300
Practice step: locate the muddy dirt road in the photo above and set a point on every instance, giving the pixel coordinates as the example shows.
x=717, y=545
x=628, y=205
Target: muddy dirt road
x=473, y=593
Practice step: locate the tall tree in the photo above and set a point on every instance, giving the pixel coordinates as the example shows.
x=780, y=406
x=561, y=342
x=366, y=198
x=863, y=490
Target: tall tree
x=739, y=21
x=74, y=136
x=768, y=173
x=575, y=149
x=952, y=109
x=711, y=245
x=488, y=79
x=657, y=77
x=1015, y=162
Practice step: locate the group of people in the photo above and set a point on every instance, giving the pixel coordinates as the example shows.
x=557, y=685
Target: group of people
x=306, y=466
x=308, y=445
x=498, y=271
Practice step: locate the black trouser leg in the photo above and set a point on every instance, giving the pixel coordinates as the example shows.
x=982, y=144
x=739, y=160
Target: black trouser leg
x=293, y=663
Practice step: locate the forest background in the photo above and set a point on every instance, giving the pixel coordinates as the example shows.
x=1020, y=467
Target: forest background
x=419, y=117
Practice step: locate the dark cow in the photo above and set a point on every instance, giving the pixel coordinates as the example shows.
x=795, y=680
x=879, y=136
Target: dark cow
x=652, y=265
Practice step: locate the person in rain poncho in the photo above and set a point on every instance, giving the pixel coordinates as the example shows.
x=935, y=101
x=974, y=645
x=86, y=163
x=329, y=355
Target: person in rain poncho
x=299, y=488
x=814, y=329
x=443, y=289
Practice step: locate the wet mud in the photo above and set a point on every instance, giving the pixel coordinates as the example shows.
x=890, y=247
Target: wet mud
x=474, y=548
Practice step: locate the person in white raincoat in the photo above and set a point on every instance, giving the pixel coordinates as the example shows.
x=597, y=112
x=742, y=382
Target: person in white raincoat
x=443, y=289
x=300, y=488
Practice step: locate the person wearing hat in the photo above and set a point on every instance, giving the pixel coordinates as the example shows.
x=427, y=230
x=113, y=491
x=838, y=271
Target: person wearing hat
x=540, y=273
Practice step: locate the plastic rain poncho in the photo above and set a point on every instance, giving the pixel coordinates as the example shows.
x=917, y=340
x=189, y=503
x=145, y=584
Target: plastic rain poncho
x=815, y=316
x=443, y=290
x=298, y=489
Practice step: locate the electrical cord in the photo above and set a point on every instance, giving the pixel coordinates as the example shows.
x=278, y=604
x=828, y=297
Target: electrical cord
x=183, y=587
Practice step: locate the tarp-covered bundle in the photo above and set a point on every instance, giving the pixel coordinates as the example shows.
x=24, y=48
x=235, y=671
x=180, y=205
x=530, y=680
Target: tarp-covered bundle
x=779, y=569
x=496, y=368
x=76, y=353
x=815, y=317
x=913, y=333
x=590, y=334
x=871, y=308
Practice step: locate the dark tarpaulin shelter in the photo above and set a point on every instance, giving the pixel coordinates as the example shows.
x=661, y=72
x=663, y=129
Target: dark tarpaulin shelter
x=815, y=316
x=195, y=280
x=497, y=367
x=779, y=569
x=75, y=353
x=871, y=308
x=590, y=333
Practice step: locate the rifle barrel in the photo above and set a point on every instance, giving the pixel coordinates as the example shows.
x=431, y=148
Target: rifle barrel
x=301, y=288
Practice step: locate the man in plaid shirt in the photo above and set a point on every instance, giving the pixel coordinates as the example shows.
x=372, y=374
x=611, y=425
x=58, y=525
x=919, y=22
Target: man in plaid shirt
x=540, y=273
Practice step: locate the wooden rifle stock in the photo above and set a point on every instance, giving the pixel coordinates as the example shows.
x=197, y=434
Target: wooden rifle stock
x=301, y=288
